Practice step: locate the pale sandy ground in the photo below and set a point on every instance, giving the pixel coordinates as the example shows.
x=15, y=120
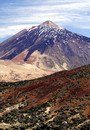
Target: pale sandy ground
x=4, y=126
x=15, y=71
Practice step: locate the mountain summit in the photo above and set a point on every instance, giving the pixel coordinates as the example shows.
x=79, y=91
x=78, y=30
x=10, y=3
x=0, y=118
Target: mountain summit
x=47, y=47
x=51, y=24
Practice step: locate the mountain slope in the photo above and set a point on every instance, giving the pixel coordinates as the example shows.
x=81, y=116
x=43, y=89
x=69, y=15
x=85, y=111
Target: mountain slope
x=59, y=101
x=11, y=72
x=47, y=46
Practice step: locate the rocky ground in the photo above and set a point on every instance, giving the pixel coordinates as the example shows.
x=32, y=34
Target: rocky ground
x=60, y=101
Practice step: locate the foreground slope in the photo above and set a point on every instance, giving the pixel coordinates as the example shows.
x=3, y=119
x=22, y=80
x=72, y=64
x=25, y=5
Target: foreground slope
x=47, y=47
x=59, y=101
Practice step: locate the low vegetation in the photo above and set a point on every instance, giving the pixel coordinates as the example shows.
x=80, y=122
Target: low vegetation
x=60, y=101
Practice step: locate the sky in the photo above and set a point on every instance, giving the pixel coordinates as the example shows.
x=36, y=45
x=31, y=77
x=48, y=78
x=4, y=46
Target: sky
x=16, y=15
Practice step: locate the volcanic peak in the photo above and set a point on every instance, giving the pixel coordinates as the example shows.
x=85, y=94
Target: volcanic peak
x=51, y=24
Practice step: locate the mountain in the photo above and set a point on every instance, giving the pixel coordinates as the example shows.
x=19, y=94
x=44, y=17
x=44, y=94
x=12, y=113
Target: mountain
x=60, y=101
x=46, y=47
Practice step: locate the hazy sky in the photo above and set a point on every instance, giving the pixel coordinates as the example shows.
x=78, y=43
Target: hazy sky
x=16, y=15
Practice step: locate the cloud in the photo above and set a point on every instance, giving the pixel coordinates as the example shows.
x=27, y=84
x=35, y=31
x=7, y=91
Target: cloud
x=84, y=27
x=11, y=30
x=28, y=13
